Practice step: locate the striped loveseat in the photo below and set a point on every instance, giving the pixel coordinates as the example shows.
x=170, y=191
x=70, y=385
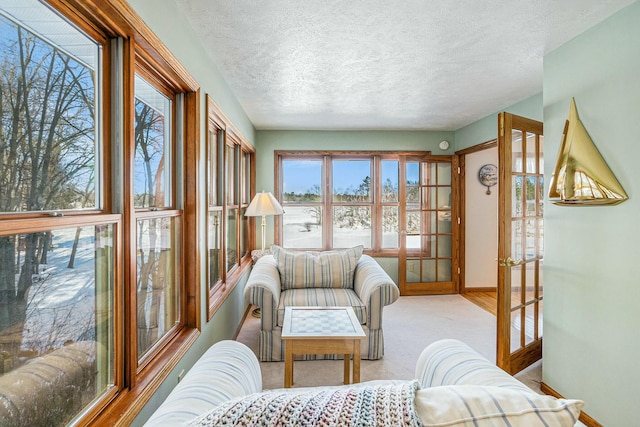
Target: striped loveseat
x=456, y=387
x=330, y=278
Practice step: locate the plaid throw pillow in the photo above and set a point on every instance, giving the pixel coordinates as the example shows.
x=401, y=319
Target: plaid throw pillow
x=478, y=406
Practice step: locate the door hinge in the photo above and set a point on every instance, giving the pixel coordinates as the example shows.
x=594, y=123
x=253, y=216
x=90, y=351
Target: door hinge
x=458, y=170
x=459, y=221
x=501, y=124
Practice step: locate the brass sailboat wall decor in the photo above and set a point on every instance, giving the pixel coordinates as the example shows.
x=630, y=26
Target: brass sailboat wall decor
x=581, y=175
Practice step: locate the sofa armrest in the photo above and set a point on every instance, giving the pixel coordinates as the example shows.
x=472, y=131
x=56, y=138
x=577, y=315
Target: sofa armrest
x=451, y=362
x=375, y=289
x=228, y=369
x=263, y=290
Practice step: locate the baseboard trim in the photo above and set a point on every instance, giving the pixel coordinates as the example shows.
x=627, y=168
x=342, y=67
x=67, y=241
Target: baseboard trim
x=244, y=317
x=584, y=418
x=479, y=289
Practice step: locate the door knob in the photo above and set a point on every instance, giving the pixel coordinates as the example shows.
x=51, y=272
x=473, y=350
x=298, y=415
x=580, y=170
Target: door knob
x=508, y=262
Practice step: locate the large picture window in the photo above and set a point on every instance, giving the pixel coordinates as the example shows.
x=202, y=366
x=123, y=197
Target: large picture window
x=339, y=199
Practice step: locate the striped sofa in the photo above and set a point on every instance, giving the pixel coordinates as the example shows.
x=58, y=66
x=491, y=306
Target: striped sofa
x=330, y=278
x=457, y=388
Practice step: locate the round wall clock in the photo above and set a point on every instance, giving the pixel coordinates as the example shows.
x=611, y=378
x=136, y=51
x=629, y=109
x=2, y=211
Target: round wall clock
x=488, y=176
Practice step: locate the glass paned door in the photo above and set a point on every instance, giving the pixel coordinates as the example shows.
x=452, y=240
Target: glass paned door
x=427, y=233
x=520, y=249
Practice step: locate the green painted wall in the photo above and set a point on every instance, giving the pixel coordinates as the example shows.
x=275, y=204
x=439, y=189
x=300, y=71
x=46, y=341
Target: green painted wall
x=166, y=20
x=591, y=270
x=486, y=129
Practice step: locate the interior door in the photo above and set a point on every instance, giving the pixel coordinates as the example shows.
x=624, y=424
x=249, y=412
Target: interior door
x=520, y=242
x=428, y=226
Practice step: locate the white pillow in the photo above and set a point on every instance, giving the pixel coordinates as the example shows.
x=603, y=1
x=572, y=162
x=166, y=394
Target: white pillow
x=477, y=406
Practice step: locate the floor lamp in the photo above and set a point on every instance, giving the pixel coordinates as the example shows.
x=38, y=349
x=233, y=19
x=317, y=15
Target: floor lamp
x=263, y=204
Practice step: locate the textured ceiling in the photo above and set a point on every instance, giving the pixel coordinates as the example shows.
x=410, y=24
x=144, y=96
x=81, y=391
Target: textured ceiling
x=384, y=64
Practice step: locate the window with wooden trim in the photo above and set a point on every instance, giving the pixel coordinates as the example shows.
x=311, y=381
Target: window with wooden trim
x=302, y=194
x=57, y=239
x=157, y=221
x=352, y=202
x=387, y=186
x=230, y=187
x=215, y=223
x=97, y=209
x=339, y=199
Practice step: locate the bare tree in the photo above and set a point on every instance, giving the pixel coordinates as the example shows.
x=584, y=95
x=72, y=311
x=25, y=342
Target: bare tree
x=46, y=124
x=149, y=135
x=153, y=262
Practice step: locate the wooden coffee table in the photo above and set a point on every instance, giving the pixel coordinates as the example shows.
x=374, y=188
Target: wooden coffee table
x=322, y=330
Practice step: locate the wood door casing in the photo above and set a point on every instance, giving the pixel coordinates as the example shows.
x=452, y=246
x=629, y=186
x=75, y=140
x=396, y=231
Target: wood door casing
x=520, y=248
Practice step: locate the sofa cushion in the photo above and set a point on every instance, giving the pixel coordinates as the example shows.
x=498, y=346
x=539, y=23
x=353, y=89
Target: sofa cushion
x=477, y=406
x=327, y=269
x=323, y=297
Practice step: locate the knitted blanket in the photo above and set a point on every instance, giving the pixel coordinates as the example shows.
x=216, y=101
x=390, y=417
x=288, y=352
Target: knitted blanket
x=382, y=405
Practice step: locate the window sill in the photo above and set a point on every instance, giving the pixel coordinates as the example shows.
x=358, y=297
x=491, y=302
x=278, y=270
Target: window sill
x=126, y=406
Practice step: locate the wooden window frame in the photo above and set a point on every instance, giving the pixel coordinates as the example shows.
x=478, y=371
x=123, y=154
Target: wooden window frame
x=33, y=222
x=380, y=204
x=327, y=202
x=135, y=385
x=219, y=123
x=280, y=157
x=168, y=210
x=371, y=204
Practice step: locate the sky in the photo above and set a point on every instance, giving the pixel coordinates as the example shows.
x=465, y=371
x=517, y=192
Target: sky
x=301, y=175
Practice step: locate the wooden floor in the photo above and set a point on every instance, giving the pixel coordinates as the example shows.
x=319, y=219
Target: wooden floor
x=486, y=300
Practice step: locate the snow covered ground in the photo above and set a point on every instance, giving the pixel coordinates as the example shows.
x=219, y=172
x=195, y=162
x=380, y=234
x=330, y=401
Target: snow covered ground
x=62, y=301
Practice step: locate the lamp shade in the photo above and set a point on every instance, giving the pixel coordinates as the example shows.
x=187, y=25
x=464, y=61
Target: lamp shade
x=264, y=204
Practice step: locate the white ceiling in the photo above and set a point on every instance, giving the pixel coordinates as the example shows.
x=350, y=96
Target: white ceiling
x=385, y=64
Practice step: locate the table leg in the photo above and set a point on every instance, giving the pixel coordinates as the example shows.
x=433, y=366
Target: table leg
x=356, y=362
x=288, y=366
x=347, y=370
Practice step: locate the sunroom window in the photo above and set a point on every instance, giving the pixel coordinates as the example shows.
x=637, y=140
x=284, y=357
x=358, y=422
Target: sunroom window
x=302, y=199
x=157, y=235
x=339, y=199
x=230, y=171
x=57, y=249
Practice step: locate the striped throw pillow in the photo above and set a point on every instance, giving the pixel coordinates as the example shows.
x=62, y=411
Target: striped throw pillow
x=328, y=269
x=478, y=406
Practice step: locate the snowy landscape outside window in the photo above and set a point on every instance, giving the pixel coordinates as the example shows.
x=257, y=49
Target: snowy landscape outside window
x=57, y=280
x=336, y=200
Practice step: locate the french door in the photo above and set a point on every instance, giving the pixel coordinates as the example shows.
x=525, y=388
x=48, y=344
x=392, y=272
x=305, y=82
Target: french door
x=428, y=223
x=520, y=242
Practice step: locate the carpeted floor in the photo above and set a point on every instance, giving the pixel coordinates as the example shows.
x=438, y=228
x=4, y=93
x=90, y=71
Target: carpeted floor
x=410, y=324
